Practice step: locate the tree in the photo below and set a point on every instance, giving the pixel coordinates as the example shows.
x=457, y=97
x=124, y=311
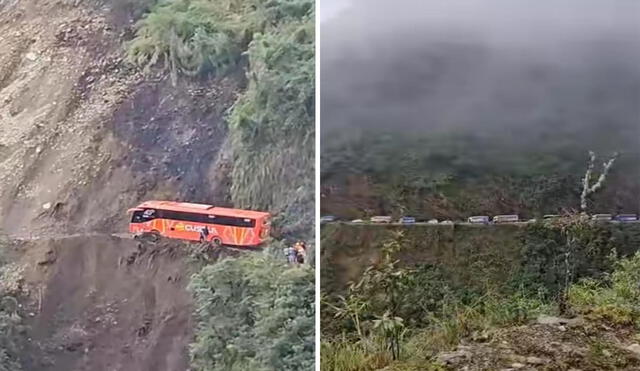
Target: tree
x=587, y=188
x=377, y=299
x=572, y=228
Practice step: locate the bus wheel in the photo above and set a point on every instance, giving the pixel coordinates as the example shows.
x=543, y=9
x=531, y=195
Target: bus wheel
x=216, y=242
x=154, y=236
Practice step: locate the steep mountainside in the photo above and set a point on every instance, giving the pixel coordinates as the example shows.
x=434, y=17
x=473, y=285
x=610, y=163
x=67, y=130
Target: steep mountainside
x=86, y=136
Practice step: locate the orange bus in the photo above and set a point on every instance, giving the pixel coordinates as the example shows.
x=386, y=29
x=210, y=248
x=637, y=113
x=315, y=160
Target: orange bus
x=186, y=221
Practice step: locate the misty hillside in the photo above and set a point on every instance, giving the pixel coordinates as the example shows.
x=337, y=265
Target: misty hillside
x=478, y=107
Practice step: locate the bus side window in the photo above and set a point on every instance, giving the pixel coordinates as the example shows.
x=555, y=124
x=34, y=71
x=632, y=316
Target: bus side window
x=136, y=217
x=148, y=214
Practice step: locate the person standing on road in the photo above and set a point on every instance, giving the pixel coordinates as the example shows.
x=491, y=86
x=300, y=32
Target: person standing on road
x=291, y=255
x=204, y=234
x=301, y=252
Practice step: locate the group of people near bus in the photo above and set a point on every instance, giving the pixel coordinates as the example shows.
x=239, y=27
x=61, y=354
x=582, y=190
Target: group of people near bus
x=297, y=253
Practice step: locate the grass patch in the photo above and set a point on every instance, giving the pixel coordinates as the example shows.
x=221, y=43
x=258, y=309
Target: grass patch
x=193, y=37
x=348, y=356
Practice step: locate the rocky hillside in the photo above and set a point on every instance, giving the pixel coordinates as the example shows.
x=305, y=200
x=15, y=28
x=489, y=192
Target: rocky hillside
x=548, y=343
x=83, y=136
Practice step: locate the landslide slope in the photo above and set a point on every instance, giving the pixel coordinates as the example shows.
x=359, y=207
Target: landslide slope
x=86, y=136
x=105, y=303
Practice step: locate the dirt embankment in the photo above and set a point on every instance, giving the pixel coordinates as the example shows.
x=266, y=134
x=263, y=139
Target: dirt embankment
x=105, y=303
x=83, y=136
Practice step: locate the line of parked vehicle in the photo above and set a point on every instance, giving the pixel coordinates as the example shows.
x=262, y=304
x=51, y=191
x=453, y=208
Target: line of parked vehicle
x=479, y=219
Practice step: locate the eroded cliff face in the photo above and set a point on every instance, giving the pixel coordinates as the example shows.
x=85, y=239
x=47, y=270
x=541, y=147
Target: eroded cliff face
x=83, y=136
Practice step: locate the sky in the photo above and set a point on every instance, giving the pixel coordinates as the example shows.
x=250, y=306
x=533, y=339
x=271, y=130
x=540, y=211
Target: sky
x=496, y=65
x=331, y=8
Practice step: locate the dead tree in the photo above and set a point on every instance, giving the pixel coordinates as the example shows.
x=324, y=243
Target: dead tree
x=587, y=188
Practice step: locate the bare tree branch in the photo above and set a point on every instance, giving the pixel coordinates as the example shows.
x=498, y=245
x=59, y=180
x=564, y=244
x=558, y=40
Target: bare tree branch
x=588, y=189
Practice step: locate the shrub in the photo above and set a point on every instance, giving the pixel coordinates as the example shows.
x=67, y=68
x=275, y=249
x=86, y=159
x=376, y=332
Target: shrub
x=191, y=37
x=272, y=128
x=615, y=298
x=253, y=313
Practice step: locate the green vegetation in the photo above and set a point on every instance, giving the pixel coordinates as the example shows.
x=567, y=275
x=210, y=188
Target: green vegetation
x=253, y=314
x=438, y=296
x=476, y=258
x=193, y=37
x=272, y=128
x=615, y=298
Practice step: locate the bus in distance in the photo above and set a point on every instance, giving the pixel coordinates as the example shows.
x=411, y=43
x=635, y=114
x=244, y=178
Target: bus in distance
x=480, y=219
x=187, y=221
x=380, y=219
x=602, y=217
x=506, y=219
x=624, y=218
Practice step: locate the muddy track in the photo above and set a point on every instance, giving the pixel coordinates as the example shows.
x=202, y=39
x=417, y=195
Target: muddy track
x=188, y=246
